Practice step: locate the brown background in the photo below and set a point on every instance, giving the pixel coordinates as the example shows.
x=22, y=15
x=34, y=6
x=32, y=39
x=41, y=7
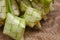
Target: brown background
x=50, y=29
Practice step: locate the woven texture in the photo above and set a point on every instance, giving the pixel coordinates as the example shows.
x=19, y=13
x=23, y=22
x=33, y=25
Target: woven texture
x=50, y=29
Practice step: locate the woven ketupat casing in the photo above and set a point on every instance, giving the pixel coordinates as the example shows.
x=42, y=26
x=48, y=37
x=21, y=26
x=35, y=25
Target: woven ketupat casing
x=32, y=16
x=2, y=11
x=15, y=8
x=14, y=27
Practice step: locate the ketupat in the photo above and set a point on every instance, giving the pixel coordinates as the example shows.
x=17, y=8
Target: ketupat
x=28, y=10
x=35, y=4
x=13, y=7
x=45, y=7
x=24, y=5
x=2, y=11
x=14, y=27
x=32, y=17
x=46, y=4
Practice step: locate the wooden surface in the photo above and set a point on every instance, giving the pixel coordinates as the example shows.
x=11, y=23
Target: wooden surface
x=50, y=29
